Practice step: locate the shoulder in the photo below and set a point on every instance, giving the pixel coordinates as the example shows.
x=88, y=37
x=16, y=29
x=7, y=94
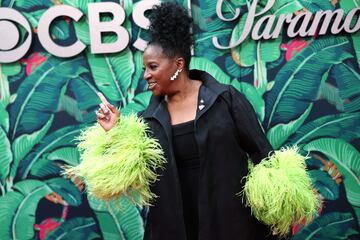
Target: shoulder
x=223, y=91
x=154, y=102
x=231, y=94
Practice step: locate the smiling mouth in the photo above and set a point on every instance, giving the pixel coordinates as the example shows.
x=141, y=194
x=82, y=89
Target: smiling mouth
x=151, y=85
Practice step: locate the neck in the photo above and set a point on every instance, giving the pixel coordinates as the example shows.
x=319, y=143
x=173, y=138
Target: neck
x=186, y=88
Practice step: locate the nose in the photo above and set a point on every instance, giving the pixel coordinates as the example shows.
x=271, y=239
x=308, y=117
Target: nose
x=147, y=75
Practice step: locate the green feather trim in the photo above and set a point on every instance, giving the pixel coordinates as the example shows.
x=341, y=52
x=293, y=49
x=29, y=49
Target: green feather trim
x=120, y=162
x=279, y=191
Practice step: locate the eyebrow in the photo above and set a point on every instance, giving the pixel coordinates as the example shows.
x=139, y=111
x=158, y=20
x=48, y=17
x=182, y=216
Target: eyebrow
x=150, y=62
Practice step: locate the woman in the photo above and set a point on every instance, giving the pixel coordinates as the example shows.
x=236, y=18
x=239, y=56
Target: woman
x=207, y=131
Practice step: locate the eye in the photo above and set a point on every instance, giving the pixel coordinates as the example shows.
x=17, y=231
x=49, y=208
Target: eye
x=153, y=66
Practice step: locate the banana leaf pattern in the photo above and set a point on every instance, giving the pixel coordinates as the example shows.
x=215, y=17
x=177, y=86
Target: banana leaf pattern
x=305, y=91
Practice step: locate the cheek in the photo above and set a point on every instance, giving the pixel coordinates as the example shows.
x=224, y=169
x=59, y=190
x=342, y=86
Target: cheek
x=163, y=82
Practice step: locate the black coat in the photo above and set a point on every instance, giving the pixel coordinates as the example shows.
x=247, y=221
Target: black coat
x=226, y=130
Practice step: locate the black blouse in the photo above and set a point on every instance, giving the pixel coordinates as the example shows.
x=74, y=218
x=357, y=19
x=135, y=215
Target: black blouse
x=188, y=164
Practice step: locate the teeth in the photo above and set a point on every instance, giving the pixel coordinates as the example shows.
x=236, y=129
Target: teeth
x=151, y=84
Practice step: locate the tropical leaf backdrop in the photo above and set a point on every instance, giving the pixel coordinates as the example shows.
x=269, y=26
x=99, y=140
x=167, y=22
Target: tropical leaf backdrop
x=305, y=91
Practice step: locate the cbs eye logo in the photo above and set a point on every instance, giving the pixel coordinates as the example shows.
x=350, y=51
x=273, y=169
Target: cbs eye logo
x=10, y=49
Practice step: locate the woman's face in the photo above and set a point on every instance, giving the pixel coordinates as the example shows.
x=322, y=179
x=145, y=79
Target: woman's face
x=158, y=70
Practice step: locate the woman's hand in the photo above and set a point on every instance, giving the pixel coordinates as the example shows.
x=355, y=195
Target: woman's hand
x=107, y=115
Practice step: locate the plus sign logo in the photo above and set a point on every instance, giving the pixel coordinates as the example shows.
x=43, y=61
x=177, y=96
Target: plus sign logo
x=10, y=48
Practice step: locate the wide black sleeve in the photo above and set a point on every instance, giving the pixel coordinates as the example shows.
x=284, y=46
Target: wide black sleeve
x=253, y=138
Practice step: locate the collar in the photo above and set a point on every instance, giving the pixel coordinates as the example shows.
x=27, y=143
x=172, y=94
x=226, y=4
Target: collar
x=209, y=91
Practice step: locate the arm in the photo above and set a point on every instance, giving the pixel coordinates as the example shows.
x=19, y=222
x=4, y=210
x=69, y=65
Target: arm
x=118, y=158
x=254, y=139
x=278, y=190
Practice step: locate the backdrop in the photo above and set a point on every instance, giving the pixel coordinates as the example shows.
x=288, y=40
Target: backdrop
x=305, y=91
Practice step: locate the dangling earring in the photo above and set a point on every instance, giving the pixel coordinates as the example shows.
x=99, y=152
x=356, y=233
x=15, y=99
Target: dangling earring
x=175, y=74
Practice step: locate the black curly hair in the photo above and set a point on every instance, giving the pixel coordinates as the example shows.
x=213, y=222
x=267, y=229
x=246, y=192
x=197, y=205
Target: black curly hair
x=170, y=28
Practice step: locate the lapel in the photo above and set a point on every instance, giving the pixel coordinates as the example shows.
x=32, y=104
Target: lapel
x=157, y=110
x=209, y=91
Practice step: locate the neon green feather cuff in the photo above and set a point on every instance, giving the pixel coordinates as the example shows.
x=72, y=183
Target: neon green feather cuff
x=122, y=161
x=279, y=191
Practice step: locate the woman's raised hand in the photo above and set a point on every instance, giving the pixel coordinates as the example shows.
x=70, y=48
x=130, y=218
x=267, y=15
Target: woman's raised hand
x=107, y=115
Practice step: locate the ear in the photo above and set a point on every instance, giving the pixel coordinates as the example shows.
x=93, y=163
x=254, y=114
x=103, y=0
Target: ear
x=180, y=63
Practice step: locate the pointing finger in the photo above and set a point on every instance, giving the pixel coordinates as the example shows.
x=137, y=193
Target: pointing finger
x=103, y=98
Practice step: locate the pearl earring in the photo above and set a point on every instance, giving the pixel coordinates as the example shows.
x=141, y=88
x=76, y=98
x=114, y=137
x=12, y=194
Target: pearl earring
x=175, y=74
